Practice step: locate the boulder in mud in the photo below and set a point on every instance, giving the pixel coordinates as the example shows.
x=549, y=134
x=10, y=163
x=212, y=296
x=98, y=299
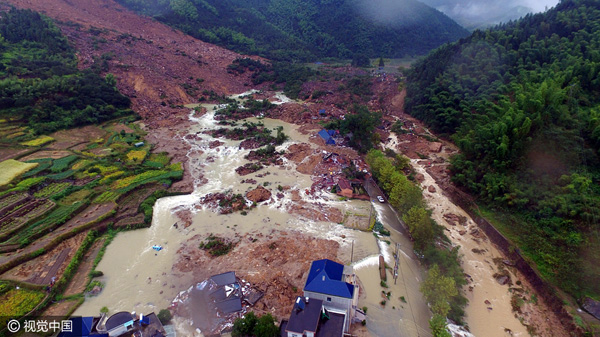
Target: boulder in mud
x=435, y=147
x=419, y=177
x=503, y=279
x=259, y=194
x=431, y=189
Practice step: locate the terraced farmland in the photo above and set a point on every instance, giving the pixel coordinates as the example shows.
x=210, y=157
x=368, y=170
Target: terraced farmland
x=60, y=194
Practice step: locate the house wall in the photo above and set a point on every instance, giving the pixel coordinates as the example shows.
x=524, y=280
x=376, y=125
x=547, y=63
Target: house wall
x=292, y=334
x=346, y=193
x=336, y=303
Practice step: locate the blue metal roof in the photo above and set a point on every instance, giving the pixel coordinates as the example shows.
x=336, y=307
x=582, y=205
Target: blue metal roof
x=325, y=135
x=325, y=277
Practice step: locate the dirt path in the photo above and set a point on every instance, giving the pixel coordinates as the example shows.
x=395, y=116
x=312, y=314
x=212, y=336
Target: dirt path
x=81, y=278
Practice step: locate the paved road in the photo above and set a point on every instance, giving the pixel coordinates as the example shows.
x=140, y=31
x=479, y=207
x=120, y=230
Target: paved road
x=413, y=320
x=390, y=217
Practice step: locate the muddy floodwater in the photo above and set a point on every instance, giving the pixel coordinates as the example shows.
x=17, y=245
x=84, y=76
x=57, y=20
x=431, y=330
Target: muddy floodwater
x=139, y=278
x=489, y=312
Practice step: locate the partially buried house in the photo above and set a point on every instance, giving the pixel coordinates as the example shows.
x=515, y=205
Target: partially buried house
x=310, y=318
x=329, y=303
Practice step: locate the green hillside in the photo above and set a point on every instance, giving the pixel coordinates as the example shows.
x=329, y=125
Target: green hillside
x=308, y=29
x=40, y=84
x=522, y=101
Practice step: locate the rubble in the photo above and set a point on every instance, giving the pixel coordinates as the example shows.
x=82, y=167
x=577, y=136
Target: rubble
x=258, y=194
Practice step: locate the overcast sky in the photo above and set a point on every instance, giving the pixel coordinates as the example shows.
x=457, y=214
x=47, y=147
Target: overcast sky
x=539, y=5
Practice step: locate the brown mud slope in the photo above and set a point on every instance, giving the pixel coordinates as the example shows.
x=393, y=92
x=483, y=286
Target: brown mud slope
x=150, y=60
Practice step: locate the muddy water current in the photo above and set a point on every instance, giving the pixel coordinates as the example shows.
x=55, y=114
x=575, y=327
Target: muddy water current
x=489, y=312
x=139, y=278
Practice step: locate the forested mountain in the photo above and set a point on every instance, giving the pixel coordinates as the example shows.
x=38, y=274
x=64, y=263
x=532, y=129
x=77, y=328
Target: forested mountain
x=301, y=30
x=40, y=84
x=522, y=101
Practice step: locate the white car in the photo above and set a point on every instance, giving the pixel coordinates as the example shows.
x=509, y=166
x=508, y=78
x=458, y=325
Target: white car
x=380, y=198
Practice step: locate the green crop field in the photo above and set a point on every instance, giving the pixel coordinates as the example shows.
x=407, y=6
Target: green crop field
x=11, y=169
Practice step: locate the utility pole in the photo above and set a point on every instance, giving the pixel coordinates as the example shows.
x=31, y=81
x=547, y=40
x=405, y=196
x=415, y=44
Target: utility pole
x=397, y=264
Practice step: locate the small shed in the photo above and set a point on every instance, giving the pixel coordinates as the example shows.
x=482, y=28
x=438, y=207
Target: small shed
x=327, y=136
x=139, y=144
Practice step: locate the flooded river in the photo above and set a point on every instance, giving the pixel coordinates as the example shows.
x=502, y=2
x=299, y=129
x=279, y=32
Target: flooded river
x=138, y=278
x=489, y=312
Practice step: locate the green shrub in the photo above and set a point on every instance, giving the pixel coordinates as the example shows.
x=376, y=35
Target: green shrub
x=164, y=316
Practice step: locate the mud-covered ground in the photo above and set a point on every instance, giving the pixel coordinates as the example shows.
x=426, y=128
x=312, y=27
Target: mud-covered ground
x=276, y=263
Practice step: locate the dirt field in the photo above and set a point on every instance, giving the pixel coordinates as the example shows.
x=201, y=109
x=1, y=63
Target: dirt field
x=61, y=308
x=46, y=154
x=80, y=281
x=11, y=153
x=88, y=215
x=44, y=268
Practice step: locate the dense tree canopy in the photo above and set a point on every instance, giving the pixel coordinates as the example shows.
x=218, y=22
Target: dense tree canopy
x=306, y=29
x=39, y=80
x=522, y=102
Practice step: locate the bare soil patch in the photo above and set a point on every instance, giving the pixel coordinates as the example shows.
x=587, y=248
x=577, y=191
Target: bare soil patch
x=46, y=154
x=11, y=153
x=81, y=278
x=52, y=264
x=150, y=60
x=65, y=139
x=61, y=308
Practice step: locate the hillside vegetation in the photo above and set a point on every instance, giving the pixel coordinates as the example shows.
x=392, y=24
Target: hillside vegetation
x=308, y=29
x=40, y=84
x=522, y=102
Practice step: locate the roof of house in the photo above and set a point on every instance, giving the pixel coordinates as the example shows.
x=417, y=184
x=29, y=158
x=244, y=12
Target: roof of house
x=224, y=279
x=305, y=316
x=325, y=277
x=118, y=319
x=324, y=134
x=332, y=327
x=344, y=184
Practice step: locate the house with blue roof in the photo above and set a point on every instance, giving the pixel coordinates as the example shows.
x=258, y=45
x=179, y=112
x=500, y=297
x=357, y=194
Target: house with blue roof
x=335, y=285
x=327, y=136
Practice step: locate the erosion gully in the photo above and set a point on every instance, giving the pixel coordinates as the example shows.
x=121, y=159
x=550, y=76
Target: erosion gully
x=138, y=278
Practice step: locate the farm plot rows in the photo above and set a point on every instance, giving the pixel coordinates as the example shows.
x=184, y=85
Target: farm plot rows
x=60, y=197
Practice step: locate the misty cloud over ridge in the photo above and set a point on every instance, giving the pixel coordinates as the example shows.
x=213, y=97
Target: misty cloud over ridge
x=393, y=13
x=481, y=13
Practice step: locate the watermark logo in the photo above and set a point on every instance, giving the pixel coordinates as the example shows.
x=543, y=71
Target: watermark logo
x=13, y=326
x=38, y=325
